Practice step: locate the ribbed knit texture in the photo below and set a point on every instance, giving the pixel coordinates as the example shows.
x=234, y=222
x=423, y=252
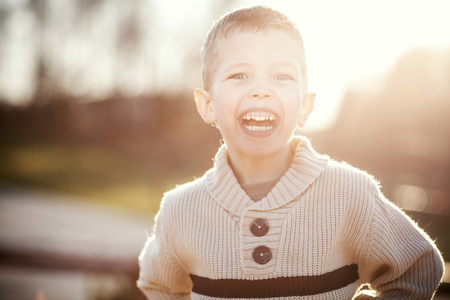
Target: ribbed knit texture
x=322, y=215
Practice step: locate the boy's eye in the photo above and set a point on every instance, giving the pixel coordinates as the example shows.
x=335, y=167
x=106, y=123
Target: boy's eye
x=284, y=77
x=238, y=76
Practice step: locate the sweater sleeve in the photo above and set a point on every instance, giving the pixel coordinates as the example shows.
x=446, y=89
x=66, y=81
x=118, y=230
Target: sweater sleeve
x=401, y=261
x=161, y=274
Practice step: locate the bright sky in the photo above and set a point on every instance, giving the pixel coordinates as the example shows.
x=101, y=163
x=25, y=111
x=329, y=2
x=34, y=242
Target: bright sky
x=354, y=42
x=349, y=43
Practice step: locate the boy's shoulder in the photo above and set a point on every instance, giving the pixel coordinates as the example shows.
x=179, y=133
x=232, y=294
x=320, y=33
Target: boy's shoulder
x=185, y=192
x=346, y=168
x=350, y=187
x=350, y=176
x=333, y=167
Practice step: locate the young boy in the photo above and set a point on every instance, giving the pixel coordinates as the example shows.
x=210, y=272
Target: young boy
x=274, y=219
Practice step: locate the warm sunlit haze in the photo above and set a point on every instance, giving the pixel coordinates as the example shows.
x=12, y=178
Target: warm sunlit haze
x=349, y=44
x=98, y=121
x=353, y=44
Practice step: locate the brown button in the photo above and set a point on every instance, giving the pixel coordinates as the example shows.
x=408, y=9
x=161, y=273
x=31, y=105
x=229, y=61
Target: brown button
x=262, y=255
x=259, y=227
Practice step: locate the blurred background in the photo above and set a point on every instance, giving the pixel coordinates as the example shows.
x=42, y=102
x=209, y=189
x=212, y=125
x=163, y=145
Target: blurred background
x=97, y=121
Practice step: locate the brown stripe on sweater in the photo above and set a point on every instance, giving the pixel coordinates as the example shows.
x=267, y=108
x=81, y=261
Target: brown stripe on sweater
x=276, y=287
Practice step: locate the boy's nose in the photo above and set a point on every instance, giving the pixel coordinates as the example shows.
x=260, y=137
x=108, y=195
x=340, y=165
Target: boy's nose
x=260, y=92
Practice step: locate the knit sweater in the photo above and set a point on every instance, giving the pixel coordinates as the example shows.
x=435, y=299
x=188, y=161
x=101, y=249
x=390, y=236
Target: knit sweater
x=322, y=232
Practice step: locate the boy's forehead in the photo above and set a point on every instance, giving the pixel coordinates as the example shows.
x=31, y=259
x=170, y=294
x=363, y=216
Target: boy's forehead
x=268, y=33
x=270, y=41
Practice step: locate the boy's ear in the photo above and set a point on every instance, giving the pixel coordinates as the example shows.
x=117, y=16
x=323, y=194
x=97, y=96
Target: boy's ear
x=203, y=102
x=307, y=107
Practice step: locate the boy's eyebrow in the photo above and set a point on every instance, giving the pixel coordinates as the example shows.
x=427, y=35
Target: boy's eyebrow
x=294, y=65
x=235, y=66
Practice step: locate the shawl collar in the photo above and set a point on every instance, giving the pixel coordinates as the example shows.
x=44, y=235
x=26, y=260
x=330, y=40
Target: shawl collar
x=224, y=188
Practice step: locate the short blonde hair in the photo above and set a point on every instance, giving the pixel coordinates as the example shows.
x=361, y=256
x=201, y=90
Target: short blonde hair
x=254, y=18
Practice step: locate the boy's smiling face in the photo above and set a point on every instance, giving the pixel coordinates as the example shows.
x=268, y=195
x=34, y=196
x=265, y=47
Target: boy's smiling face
x=257, y=94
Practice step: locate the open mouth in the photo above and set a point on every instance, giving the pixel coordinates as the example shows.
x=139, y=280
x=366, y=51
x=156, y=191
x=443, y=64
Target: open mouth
x=259, y=121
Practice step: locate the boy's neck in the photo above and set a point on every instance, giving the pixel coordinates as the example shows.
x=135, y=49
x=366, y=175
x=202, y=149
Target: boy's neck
x=253, y=170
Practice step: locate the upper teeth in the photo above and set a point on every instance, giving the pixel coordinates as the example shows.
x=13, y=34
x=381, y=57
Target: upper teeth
x=259, y=116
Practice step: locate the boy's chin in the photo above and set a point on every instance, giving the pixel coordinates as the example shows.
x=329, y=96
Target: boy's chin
x=264, y=145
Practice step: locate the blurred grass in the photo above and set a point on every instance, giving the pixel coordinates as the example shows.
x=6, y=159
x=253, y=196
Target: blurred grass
x=91, y=172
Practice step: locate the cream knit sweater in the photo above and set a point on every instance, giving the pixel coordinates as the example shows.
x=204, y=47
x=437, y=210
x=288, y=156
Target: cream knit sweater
x=326, y=230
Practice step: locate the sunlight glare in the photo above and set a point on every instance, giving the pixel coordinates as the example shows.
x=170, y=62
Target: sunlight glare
x=352, y=43
x=446, y=278
x=410, y=197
